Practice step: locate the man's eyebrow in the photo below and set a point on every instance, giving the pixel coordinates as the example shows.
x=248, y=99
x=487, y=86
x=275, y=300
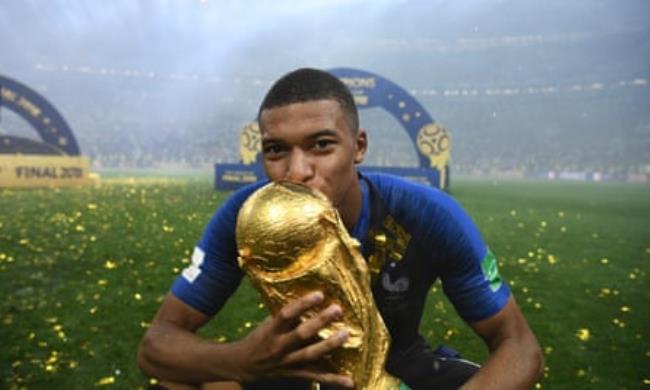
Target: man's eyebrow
x=315, y=135
x=322, y=133
x=271, y=140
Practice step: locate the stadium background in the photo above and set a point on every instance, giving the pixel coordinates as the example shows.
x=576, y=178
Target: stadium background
x=156, y=93
x=524, y=88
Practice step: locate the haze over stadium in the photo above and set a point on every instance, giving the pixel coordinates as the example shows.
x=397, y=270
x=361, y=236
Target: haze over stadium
x=525, y=87
x=157, y=91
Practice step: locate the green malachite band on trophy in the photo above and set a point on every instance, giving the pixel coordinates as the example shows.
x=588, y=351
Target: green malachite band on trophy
x=403, y=386
x=491, y=271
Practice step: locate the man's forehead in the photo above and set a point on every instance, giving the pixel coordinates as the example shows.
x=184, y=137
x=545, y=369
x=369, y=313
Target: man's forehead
x=326, y=112
x=324, y=101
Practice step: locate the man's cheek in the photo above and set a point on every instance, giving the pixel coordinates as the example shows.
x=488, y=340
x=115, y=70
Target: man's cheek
x=325, y=191
x=333, y=197
x=273, y=172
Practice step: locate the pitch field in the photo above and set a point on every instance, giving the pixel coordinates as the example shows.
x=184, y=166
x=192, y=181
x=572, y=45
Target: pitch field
x=82, y=271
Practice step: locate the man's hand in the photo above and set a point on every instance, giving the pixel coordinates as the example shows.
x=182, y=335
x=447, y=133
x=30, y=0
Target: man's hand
x=279, y=346
x=283, y=346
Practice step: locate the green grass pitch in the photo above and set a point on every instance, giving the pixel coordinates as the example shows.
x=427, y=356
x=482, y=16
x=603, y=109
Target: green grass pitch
x=82, y=272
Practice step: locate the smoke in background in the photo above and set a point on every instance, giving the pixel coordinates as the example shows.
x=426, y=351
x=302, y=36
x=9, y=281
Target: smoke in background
x=522, y=85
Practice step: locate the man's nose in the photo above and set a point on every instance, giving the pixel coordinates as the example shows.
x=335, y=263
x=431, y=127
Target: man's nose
x=300, y=167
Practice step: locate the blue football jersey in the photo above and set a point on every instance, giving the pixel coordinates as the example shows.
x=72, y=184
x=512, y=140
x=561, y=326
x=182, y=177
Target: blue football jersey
x=411, y=236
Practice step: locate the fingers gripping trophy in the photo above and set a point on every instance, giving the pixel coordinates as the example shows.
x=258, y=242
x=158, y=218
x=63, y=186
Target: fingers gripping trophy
x=291, y=241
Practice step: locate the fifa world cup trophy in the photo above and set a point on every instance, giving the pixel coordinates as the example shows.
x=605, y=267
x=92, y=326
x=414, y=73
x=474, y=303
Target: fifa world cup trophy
x=291, y=241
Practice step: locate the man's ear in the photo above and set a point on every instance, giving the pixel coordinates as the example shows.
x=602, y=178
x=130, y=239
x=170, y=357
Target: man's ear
x=361, y=146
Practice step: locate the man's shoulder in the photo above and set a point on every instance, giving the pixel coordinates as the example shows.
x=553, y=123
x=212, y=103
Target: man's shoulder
x=225, y=216
x=239, y=196
x=399, y=193
x=419, y=208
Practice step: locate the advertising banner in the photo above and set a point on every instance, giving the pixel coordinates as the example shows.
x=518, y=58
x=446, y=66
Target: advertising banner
x=43, y=171
x=52, y=161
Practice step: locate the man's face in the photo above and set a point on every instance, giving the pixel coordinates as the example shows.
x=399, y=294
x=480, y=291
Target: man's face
x=312, y=143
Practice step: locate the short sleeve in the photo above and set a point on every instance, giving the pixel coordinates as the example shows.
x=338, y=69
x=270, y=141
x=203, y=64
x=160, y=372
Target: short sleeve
x=470, y=275
x=213, y=274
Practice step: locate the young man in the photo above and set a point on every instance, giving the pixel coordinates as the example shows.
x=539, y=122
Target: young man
x=310, y=134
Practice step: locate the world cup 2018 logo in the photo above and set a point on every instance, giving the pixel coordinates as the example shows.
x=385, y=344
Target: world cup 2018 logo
x=433, y=141
x=250, y=143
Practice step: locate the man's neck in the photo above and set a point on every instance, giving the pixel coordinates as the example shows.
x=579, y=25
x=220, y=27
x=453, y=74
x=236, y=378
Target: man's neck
x=350, y=209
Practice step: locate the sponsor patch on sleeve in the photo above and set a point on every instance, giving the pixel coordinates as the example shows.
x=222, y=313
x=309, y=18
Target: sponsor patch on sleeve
x=491, y=271
x=194, y=269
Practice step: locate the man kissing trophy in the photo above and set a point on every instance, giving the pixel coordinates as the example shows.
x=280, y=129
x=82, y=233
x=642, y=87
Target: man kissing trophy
x=291, y=241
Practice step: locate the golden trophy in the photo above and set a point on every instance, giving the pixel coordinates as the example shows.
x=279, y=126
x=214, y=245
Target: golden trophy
x=291, y=241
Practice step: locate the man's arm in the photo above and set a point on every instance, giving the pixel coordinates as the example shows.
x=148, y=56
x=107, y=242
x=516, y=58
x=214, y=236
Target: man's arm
x=515, y=360
x=281, y=345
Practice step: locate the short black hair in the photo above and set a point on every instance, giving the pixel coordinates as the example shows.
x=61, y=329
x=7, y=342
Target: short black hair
x=307, y=84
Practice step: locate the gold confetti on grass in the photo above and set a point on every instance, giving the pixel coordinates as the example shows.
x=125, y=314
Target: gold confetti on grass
x=618, y=322
x=132, y=249
x=551, y=259
x=108, y=380
x=583, y=334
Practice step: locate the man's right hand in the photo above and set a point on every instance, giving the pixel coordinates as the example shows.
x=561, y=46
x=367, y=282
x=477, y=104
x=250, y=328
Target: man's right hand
x=284, y=346
x=281, y=346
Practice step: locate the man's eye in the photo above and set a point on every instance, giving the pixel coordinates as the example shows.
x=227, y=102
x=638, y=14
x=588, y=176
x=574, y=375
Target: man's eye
x=272, y=149
x=323, y=144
